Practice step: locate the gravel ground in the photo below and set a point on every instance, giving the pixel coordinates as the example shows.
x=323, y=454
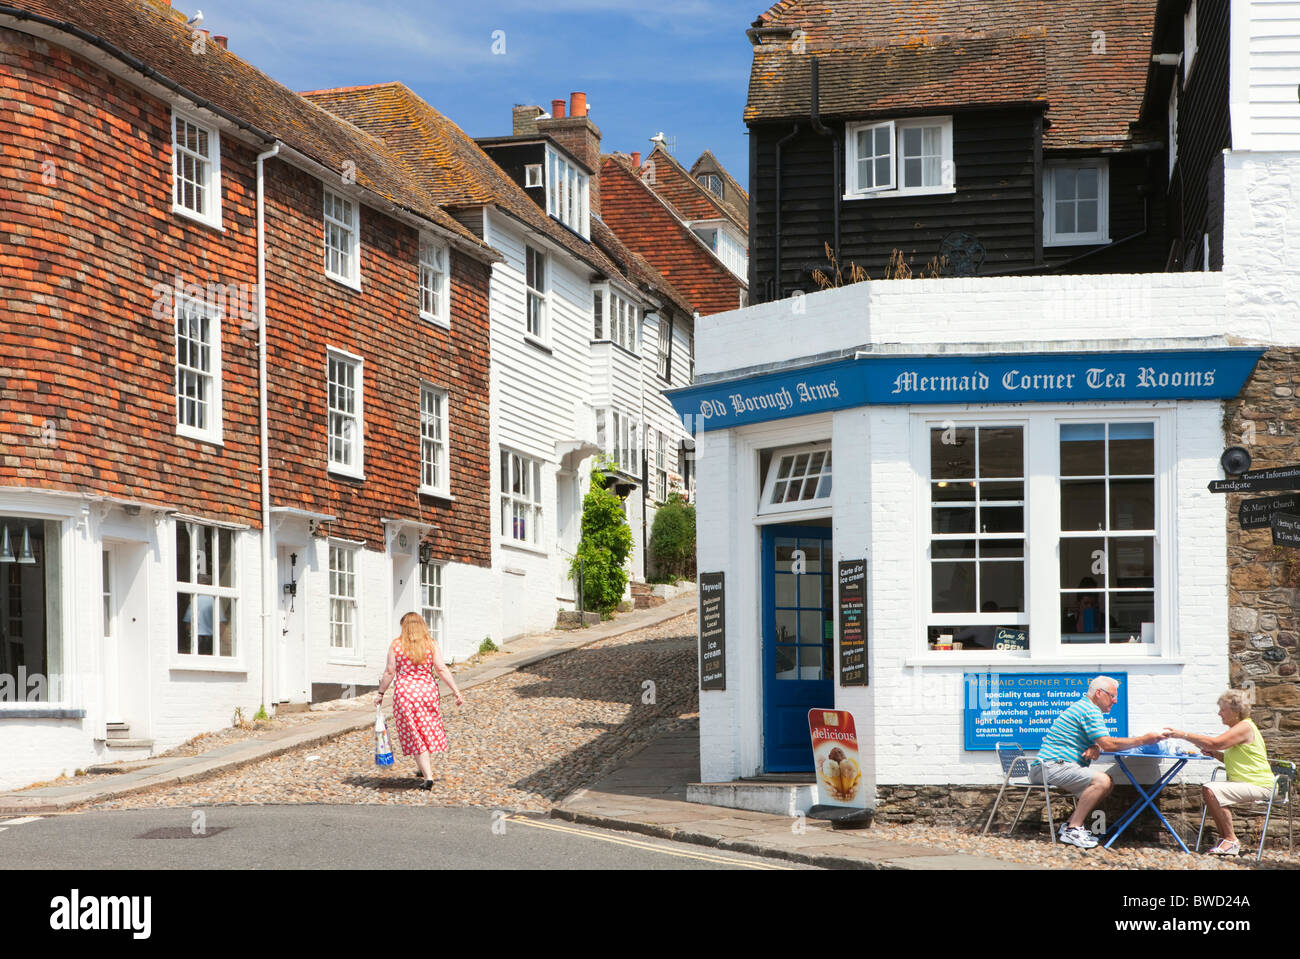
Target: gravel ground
x=522, y=742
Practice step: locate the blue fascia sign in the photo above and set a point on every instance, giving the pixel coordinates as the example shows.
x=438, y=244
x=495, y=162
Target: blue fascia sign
x=893, y=379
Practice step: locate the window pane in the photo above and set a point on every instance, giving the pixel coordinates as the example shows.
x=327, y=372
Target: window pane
x=1132, y=504
x=810, y=590
x=882, y=171
x=1065, y=186
x=785, y=588
x=912, y=172
x=1087, y=222
x=1083, y=504
x=812, y=553
x=1083, y=563
x=952, y=587
x=203, y=556
x=952, y=454
x=946, y=491
x=912, y=142
x=1128, y=612
x=953, y=549
x=1083, y=449
x=1086, y=184
x=1065, y=217
x=883, y=147
x=204, y=623
x=1132, y=562
x=952, y=520
x=865, y=179
x=1002, y=451
x=183, y=554
x=1132, y=449
x=227, y=627
x=184, y=624
x=1002, y=549
x=1002, y=519
x=226, y=552
x=1002, y=492
x=1004, y=584
x=1082, y=617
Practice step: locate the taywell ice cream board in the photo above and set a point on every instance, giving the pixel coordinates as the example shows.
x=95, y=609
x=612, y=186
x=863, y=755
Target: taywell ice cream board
x=835, y=758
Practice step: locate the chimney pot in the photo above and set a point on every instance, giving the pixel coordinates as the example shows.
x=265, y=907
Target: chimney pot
x=222, y=42
x=636, y=159
x=579, y=104
x=557, y=109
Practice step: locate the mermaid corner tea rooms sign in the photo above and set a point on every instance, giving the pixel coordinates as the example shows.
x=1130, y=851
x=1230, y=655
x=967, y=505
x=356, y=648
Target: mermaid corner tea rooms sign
x=893, y=379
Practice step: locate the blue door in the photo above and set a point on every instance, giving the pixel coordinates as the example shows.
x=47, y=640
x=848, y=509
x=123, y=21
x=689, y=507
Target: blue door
x=798, y=649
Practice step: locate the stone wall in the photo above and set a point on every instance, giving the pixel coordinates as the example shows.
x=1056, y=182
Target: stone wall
x=1264, y=580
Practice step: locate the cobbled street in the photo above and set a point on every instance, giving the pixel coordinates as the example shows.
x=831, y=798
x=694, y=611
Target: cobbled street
x=522, y=742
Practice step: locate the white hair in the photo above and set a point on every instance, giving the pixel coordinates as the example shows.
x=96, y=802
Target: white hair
x=1102, y=682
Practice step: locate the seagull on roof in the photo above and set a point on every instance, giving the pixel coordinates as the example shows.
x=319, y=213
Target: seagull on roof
x=197, y=21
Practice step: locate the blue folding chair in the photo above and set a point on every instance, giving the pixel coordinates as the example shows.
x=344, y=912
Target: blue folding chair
x=1284, y=773
x=1016, y=764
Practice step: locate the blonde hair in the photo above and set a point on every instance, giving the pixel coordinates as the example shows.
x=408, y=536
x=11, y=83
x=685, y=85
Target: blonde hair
x=1237, y=700
x=415, y=640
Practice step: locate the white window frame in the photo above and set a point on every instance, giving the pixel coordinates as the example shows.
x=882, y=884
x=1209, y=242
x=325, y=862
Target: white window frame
x=765, y=505
x=1189, y=40
x=534, y=175
x=895, y=188
x=541, y=296
x=432, y=607
x=434, y=435
x=1173, y=128
x=350, y=229
x=526, y=504
x=1043, y=534
x=211, y=377
x=210, y=178
x=661, y=467
x=214, y=591
x=435, y=281
x=1102, y=234
x=568, y=194
x=356, y=417
x=624, y=442
x=344, y=600
x=664, y=356
x=619, y=319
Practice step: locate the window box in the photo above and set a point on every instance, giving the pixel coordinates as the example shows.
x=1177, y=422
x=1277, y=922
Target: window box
x=899, y=158
x=342, y=240
x=1076, y=204
x=196, y=170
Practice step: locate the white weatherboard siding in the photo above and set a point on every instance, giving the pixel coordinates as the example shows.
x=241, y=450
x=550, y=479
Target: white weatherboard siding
x=659, y=413
x=1265, y=74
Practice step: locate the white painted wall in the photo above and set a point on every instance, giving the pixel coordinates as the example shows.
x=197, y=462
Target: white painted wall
x=1261, y=243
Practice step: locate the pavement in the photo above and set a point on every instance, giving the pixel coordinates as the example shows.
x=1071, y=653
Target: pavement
x=645, y=794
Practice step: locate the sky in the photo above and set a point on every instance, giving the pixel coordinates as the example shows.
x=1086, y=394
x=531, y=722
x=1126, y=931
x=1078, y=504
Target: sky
x=676, y=66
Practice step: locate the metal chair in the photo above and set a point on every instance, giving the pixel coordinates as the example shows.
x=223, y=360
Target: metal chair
x=1016, y=764
x=1284, y=773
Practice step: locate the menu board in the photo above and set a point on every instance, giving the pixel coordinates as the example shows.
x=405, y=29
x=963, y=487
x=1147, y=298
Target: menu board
x=1020, y=707
x=853, y=621
x=713, y=632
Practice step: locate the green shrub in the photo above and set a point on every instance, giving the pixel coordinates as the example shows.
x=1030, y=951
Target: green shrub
x=672, y=538
x=603, y=549
x=487, y=646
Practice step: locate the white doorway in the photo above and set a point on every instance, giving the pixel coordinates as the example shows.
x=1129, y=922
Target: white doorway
x=568, y=524
x=124, y=627
x=291, y=649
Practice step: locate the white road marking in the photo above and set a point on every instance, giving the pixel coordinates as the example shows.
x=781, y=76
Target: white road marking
x=6, y=823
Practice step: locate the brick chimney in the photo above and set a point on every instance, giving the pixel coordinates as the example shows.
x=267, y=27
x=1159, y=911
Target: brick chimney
x=222, y=42
x=577, y=134
x=524, y=120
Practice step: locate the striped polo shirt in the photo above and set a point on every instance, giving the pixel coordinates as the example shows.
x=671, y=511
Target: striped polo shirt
x=1081, y=725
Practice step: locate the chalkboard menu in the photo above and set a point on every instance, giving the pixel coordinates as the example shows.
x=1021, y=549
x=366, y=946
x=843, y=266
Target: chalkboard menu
x=713, y=632
x=1254, y=513
x=853, y=621
x=1286, y=529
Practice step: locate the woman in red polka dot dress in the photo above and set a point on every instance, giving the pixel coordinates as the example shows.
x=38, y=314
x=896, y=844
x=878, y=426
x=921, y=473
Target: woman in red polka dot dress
x=412, y=661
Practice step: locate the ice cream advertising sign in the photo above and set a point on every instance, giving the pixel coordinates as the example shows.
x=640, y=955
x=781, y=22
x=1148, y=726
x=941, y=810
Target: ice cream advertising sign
x=835, y=756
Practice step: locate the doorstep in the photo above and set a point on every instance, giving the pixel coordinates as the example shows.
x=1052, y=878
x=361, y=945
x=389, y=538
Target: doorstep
x=780, y=798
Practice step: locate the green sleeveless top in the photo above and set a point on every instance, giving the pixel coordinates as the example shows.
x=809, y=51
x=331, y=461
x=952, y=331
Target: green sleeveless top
x=1248, y=763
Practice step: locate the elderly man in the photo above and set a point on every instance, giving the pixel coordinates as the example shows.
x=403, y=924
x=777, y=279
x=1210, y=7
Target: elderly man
x=1077, y=737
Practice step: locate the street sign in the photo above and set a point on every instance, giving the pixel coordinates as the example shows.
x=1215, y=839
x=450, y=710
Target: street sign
x=1258, y=481
x=1255, y=513
x=1286, y=529
x=853, y=622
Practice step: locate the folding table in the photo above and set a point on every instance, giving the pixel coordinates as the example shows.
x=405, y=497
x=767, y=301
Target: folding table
x=1148, y=798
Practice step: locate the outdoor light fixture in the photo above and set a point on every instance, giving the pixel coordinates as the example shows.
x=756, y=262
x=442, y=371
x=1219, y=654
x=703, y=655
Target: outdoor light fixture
x=27, y=556
x=426, y=552
x=6, y=551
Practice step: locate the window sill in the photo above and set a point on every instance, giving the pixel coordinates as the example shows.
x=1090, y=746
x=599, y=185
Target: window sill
x=345, y=662
x=33, y=711
x=212, y=223
x=203, y=665
x=437, y=494
x=967, y=658
x=437, y=321
x=350, y=283
x=1078, y=241
x=346, y=474
x=523, y=547
x=914, y=191
x=203, y=437
x=538, y=344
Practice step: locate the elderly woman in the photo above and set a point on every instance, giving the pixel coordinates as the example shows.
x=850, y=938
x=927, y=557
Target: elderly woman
x=1241, y=750
x=413, y=659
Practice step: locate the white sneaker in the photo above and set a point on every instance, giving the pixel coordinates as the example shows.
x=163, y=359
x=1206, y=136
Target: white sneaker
x=1077, y=836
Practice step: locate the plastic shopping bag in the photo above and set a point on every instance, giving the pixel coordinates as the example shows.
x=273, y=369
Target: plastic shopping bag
x=383, y=748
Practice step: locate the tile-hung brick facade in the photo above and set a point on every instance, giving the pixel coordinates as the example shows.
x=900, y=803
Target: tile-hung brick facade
x=914, y=385
x=132, y=537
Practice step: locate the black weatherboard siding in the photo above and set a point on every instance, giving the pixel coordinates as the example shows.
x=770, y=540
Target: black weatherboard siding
x=514, y=160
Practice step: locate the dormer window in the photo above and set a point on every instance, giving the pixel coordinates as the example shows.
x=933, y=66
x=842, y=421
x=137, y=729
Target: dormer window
x=711, y=182
x=899, y=158
x=567, y=194
x=728, y=245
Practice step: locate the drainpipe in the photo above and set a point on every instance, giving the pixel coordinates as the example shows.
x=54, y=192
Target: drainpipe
x=268, y=577
x=776, y=293
x=820, y=128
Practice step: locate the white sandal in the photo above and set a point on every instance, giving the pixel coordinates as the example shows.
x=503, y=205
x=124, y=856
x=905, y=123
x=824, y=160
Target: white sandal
x=1226, y=848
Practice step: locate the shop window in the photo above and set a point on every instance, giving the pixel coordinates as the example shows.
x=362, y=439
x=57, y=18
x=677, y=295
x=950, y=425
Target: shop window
x=797, y=478
x=1082, y=550
x=206, y=591
x=31, y=603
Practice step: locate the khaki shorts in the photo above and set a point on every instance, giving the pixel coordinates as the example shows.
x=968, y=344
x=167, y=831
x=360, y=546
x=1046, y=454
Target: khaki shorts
x=1071, y=777
x=1230, y=793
